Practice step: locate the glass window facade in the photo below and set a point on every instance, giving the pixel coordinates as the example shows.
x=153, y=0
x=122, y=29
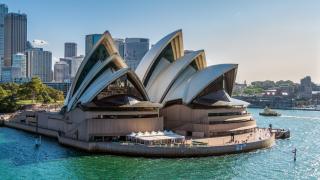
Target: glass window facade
x=120, y=92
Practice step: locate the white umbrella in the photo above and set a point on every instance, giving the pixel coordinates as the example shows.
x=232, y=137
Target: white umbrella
x=139, y=133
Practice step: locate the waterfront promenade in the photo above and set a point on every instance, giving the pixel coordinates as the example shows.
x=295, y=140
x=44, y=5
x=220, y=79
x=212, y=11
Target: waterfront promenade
x=260, y=138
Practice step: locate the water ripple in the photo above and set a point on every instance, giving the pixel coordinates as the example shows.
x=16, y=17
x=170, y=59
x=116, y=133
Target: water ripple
x=20, y=160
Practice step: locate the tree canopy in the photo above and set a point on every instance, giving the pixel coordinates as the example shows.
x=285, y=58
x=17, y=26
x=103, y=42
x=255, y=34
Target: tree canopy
x=35, y=90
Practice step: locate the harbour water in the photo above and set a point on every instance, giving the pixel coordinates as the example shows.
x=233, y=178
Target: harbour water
x=20, y=159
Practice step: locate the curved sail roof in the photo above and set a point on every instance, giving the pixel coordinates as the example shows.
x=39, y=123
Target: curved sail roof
x=103, y=49
x=109, y=65
x=172, y=42
x=203, y=78
x=102, y=66
x=165, y=73
x=192, y=87
x=105, y=79
x=157, y=91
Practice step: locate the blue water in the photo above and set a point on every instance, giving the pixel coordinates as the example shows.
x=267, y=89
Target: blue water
x=19, y=159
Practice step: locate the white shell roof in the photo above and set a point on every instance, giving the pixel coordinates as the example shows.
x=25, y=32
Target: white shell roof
x=147, y=61
x=190, y=88
x=92, y=84
x=105, y=79
x=160, y=86
x=177, y=81
x=91, y=75
x=108, y=43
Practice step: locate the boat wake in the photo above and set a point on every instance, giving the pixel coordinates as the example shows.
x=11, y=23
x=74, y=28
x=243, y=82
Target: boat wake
x=301, y=117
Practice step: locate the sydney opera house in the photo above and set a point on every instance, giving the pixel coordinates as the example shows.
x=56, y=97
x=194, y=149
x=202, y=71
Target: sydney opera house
x=196, y=97
x=173, y=97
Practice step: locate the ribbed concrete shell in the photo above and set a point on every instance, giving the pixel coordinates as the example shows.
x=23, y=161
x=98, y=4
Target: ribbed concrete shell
x=96, y=69
x=157, y=91
x=191, y=88
x=105, y=79
x=88, y=63
x=185, y=77
x=101, y=67
x=146, y=66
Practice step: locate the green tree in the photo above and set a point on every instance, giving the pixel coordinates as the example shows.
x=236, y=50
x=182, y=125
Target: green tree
x=264, y=84
x=8, y=104
x=284, y=83
x=3, y=93
x=11, y=88
x=252, y=90
x=55, y=94
x=10, y=93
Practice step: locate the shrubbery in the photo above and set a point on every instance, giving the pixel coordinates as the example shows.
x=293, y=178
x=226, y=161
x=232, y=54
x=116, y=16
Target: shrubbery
x=35, y=90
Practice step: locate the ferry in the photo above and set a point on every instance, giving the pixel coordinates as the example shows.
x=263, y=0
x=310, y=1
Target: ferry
x=269, y=112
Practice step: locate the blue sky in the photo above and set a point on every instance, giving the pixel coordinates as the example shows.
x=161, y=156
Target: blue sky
x=269, y=39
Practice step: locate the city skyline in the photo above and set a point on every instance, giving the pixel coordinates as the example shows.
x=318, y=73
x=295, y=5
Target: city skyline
x=269, y=40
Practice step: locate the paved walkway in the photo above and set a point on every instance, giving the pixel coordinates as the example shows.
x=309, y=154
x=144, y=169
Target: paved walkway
x=259, y=134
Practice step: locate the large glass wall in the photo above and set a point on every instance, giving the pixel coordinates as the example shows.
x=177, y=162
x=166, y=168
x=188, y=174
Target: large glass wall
x=213, y=93
x=120, y=92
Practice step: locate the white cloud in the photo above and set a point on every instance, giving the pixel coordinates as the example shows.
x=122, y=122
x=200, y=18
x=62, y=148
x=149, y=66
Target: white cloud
x=39, y=42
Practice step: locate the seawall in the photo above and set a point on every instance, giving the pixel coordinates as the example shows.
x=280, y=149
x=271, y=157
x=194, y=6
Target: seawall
x=131, y=149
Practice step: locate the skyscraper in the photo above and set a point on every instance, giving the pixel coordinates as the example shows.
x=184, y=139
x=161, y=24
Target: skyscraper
x=15, y=35
x=61, y=72
x=91, y=40
x=9, y=74
x=67, y=60
x=135, y=49
x=120, y=46
x=3, y=12
x=19, y=60
x=39, y=63
x=75, y=64
x=70, y=49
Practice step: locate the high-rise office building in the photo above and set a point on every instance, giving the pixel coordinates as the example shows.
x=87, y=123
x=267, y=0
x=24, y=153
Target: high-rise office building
x=61, y=72
x=9, y=74
x=39, y=63
x=19, y=60
x=67, y=60
x=75, y=64
x=135, y=49
x=70, y=49
x=120, y=46
x=3, y=12
x=131, y=49
x=91, y=40
x=15, y=35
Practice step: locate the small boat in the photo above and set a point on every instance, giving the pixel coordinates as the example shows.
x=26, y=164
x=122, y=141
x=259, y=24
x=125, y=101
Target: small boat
x=281, y=133
x=269, y=112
